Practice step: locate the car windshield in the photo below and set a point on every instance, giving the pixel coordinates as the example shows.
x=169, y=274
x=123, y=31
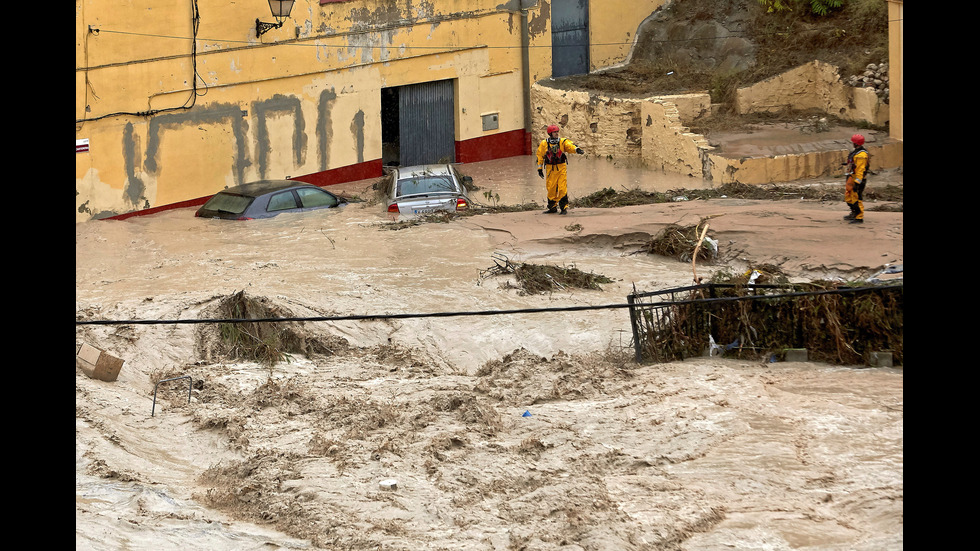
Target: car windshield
x=425, y=184
x=227, y=202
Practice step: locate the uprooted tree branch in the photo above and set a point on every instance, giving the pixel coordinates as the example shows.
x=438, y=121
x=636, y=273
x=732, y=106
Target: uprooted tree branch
x=535, y=278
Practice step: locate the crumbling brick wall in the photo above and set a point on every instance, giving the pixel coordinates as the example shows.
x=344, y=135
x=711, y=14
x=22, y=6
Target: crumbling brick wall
x=650, y=130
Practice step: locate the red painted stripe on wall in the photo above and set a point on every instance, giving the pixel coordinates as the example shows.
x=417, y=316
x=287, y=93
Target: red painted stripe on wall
x=189, y=203
x=486, y=148
x=349, y=173
x=495, y=146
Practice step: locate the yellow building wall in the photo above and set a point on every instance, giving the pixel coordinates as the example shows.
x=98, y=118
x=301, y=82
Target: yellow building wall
x=613, y=27
x=179, y=99
x=896, y=61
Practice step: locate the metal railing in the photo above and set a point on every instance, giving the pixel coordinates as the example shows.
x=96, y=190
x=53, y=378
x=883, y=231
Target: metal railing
x=684, y=322
x=157, y=386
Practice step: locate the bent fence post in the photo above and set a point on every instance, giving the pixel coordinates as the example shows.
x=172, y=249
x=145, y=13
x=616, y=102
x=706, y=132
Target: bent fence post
x=634, y=323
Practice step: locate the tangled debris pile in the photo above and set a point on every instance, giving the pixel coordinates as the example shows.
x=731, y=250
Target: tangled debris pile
x=759, y=274
x=535, y=279
x=684, y=243
x=610, y=198
x=265, y=342
x=891, y=197
x=440, y=217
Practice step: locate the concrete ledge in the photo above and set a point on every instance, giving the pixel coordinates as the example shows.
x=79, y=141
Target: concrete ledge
x=796, y=355
x=788, y=168
x=881, y=359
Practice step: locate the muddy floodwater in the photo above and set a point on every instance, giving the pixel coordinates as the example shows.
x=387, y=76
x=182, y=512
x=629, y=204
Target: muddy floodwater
x=532, y=431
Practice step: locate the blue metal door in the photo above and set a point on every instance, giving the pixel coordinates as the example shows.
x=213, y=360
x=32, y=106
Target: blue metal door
x=426, y=123
x=569, y=37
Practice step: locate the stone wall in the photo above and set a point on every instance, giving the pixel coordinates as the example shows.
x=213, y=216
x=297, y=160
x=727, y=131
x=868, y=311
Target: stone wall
x=816, y=85
x=666, y=143
x=651, y=130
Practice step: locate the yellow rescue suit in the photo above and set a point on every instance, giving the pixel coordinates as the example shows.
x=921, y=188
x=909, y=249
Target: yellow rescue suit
x=857, y=168
x=551, y=158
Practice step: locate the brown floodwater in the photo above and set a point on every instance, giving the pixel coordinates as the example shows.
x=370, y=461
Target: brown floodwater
x=344, y=262
x=703, y=454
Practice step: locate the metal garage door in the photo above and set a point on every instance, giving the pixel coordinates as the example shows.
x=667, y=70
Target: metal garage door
x=426, y=123
x=569, y=37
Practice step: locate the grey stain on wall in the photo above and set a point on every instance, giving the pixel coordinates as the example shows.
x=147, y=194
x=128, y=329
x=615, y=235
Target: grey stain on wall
x=231, y=118
x=324, y=126
x=229, y=115
x=357, y=130
x=135, y=188
x=264, y=110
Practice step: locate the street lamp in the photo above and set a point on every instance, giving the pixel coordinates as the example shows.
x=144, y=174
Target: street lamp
x=280, y=10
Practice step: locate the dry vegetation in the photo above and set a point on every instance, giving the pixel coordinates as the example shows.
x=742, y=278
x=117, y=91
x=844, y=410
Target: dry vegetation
x=611, y=198
x=534, y=279
x=835, y=323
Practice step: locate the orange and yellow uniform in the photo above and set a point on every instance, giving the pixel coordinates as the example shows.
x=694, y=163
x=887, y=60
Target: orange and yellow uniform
x=857, y=171
x=552, y=159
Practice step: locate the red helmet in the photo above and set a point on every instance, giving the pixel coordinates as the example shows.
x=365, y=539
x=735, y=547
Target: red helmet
x=857, y=139
x=552, y=128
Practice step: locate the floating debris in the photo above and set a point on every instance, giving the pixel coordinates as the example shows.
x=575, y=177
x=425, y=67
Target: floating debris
x=535, y=278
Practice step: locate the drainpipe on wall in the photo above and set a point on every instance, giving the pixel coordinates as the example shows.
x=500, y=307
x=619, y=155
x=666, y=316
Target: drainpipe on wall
x=526, y=72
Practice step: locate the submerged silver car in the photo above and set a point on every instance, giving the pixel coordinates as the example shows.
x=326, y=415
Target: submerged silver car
x=423, y=189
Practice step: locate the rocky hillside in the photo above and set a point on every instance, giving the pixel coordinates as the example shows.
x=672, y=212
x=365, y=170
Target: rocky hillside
x=719, y=45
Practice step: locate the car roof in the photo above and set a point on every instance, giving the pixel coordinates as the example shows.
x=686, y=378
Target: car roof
x=254, y=189
x=419, y=170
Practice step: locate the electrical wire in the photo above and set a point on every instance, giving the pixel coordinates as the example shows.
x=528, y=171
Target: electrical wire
x=296, y=43
x=190, y=102
x=407, y=47
x=196, y=20
x=366, y=317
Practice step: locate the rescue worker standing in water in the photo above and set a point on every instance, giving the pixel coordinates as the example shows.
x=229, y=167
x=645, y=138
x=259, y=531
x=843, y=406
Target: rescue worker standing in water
x=551, y=158
x=857, y=177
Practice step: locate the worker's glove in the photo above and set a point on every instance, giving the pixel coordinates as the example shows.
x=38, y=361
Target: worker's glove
x=579, y=150
x=541, y=173
x=858, y=181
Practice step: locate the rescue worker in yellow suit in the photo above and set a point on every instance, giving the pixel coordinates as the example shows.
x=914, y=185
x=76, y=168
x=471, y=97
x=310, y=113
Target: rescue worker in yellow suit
x=857, y=177
x=551, y=157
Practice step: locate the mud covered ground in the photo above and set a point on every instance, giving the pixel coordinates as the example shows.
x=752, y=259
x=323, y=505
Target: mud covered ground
x=525, y=431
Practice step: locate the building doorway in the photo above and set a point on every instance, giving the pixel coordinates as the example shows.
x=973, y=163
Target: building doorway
x=569, y=37
x=418, y=124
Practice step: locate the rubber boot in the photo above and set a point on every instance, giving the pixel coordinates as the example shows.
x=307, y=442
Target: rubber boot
x=858, y=209
x=551, y=207
x=563, y=203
